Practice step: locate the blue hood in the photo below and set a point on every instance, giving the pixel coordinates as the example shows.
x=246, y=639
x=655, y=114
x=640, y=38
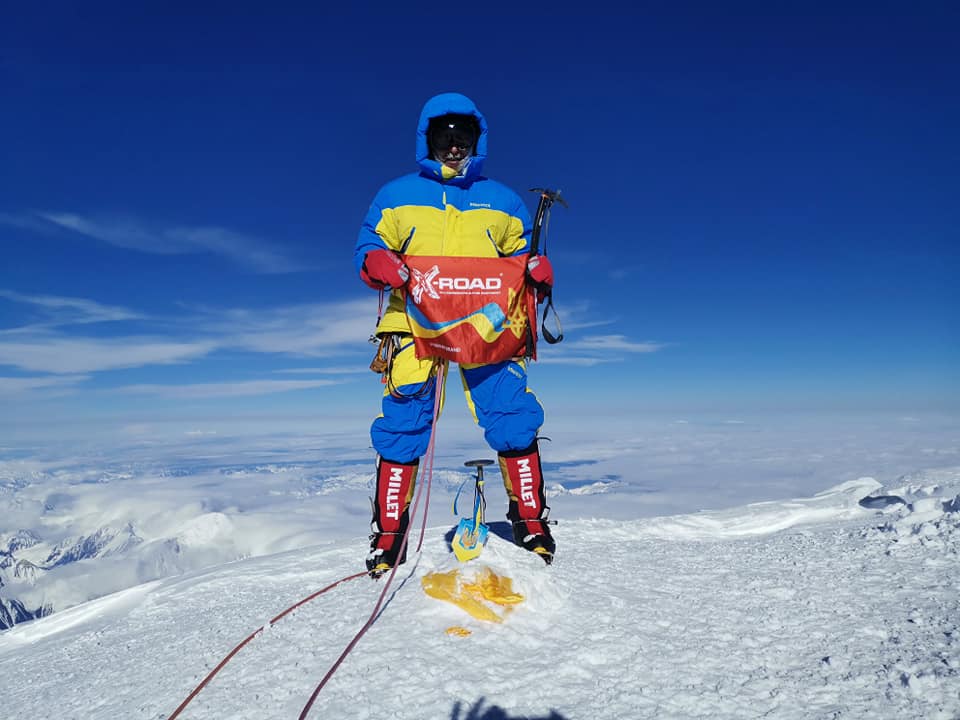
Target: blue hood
x=445, y=104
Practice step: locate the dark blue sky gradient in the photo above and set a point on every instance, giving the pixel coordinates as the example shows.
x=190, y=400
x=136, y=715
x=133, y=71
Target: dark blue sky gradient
x=769, y=190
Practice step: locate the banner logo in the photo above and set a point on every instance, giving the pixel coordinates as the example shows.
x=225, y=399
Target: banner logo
x=430, y=283
x=423, y=282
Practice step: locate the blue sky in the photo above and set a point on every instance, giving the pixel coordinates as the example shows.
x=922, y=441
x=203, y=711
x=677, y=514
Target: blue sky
x=763, y=201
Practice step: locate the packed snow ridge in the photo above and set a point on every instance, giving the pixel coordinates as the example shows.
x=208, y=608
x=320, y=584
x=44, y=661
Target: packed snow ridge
x=842, y=604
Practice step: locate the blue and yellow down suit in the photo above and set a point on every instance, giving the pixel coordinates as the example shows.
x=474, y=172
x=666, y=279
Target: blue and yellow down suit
x=438, y=212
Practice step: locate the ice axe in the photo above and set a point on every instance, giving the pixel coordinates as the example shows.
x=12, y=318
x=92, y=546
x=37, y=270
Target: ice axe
x=541, y=220
x=471, y=534
x=541, y=223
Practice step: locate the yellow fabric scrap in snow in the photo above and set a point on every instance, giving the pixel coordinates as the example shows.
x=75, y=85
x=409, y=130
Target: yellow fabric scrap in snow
x=474, y=594
x=495, y=588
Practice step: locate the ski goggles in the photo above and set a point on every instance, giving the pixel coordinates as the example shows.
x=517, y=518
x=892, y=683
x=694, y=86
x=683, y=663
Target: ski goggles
x=450, y=131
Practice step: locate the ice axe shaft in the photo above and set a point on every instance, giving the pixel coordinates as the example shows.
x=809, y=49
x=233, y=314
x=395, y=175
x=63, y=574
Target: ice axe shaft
x=541, y=221
x=547, y=198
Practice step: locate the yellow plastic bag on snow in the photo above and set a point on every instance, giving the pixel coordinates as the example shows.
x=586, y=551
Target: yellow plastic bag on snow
x=475, y=595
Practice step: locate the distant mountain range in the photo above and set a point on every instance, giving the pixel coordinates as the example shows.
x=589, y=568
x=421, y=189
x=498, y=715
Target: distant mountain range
x=19, y=575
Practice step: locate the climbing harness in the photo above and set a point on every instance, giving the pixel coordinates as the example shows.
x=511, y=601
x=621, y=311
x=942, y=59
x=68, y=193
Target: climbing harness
x=389, y=345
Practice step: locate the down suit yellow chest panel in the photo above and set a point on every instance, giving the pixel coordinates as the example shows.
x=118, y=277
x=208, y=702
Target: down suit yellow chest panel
x=421, y=230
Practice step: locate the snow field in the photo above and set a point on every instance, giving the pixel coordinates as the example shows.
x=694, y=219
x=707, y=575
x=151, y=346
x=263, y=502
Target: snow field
x=847, y=613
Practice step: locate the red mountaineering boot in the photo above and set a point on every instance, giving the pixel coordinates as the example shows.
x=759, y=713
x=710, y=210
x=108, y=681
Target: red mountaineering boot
x=528, y=511
x=395, y=482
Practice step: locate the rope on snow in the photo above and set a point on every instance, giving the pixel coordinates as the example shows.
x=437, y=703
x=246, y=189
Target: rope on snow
x=251, y=636
x=428, y=473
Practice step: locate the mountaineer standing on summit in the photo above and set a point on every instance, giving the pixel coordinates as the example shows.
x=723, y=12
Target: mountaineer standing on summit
x=449, y=209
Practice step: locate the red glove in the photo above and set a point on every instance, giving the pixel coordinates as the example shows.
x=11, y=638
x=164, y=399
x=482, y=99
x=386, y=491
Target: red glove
x=540, y=272
x=384, y=269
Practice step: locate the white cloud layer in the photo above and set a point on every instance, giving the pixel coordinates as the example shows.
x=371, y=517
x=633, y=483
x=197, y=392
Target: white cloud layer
x=133, y=234
x=595, y=350
x=61, y=344
x=15, y=385
x=245, y=388
x=616, y=343
x=70, y=310
x=314, y=331
x=55, y=353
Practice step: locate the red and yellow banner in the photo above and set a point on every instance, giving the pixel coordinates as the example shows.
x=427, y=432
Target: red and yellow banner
x=470, y=310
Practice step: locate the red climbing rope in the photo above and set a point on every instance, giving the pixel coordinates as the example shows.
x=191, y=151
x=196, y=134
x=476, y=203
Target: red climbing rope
x=251, y=636
x=428, y=475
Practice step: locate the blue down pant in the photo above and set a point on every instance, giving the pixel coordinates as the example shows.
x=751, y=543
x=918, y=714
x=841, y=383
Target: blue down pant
x=497, y=395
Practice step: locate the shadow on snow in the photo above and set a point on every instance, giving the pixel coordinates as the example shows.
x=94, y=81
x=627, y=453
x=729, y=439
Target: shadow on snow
x=478, y=712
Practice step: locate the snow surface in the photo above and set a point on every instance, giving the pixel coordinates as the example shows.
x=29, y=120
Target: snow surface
x=80, y=520
x=818, y=607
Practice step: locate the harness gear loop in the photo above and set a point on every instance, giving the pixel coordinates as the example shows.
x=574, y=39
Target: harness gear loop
x=433, y=379
x=383, y=358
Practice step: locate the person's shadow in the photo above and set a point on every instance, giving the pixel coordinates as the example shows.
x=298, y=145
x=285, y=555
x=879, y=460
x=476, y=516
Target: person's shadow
x=478, y=712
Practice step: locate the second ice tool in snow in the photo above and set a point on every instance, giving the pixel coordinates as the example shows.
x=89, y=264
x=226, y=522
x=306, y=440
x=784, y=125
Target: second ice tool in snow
x=471, y=534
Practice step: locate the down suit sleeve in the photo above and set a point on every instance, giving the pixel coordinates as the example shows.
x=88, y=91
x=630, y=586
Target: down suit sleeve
x=378, y=231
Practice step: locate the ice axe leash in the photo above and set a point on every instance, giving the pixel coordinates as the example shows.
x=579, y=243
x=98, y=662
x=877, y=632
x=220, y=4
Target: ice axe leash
x=541, y=226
